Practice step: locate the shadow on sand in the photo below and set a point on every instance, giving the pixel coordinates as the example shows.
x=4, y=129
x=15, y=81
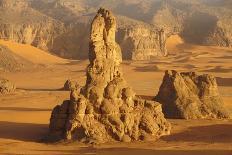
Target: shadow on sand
x=148, y=69
x=136, y=151
x=219, y=133
x=218, y=69
x=226, y=82
x=23, y=131
x=23, y=109
x=26, y=89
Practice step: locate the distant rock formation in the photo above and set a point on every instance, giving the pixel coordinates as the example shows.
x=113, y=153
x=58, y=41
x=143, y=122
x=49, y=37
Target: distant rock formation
x=62, y=26
x=190, y=96
x=13, y=3
x=141, y=42
x=106, y=109
x=6, y=86
x=22, y=24
x=28, y=22
x=71, y=85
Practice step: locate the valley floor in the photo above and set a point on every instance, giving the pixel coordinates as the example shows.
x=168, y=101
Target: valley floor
x=24, y=115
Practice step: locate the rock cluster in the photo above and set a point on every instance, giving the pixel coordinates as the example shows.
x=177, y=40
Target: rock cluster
x=190, y=96
x=106, y=109
x=6, y=86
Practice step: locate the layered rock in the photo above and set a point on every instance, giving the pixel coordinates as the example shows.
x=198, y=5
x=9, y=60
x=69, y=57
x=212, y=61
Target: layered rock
x=13, y=3
x=22, y=24
x=142, y=43
x=62, y=26
x=190, y=96
x=6, y=86
x=106, y=108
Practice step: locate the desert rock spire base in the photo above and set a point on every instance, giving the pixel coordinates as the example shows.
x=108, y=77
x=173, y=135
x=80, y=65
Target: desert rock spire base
x=106, y=108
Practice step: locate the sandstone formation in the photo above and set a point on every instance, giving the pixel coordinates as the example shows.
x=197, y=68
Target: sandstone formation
x=62, y=26
x=71, y=85
x=13, y=3
x=140, y=42
x=22, y=24
x=6, y=86
x=190, y=96
x=106, y=109
x=49, y=26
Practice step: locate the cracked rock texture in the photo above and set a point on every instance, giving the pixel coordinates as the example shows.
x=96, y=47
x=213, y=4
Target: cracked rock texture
x=190, y=96
x=106, y=108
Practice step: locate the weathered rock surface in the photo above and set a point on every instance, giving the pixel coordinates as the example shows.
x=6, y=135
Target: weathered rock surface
x=71, y=85
x=62, y=26
x=106, y=109
x=49, y=25
x=6, y=86
x=190, y=96
x=141, y=42
x=22, y=24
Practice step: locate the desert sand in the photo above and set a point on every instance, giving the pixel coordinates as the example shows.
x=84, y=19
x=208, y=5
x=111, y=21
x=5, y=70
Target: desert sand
x=24, y=115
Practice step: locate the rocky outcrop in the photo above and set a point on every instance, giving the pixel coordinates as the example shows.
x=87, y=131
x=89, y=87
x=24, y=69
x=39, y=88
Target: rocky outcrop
x=13, y=3
x=71, y=85
x=190, y=96
x=106, y=108
x=62, y=26
x=6, y=86
x=22, y=24
x=40, y=34
x=142, y=43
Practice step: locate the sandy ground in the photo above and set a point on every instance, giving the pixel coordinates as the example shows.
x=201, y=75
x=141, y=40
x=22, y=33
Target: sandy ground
x=24, y=115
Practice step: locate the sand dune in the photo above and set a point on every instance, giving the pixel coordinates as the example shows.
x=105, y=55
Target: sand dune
x=173, y=42
x=32, y=54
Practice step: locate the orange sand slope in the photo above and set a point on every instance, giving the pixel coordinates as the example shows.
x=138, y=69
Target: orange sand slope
x=32, y=54
x=175, y=44
x=173, y=41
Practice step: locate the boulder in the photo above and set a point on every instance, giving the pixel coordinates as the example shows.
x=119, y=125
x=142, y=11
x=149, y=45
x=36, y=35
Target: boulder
x=6, y=86
x=71, y=85
x=106, y=109
x=190, y=96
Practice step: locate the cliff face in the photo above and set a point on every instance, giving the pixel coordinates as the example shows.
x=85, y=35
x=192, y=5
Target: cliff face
x=71, y=41
x=22, y=24
x=141, y=43
x=200, y=22
x=40, y=34
x=17, y=4
x=62, y=26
